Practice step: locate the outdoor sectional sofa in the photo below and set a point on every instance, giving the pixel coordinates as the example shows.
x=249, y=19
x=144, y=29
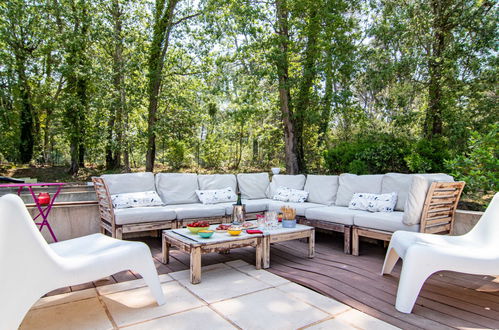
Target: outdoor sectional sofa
x=326, y=206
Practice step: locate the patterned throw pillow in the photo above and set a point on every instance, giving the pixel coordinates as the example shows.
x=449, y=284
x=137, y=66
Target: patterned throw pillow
x=284, y=194
x=136, y=199
x=281, y=194
x=297, y=196
x=215, y=196
x=373, y=202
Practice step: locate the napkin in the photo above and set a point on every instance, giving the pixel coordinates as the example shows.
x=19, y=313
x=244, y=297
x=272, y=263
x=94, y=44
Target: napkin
x=254, y=231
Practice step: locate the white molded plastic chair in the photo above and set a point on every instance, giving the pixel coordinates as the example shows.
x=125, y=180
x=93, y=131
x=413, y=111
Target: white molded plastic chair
x=476, y=252
x=29, y=267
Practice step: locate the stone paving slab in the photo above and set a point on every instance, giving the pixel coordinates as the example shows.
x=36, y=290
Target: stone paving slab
x=232, y=296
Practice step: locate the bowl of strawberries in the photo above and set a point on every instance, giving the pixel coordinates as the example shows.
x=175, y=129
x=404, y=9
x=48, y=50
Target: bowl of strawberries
x=195, y=227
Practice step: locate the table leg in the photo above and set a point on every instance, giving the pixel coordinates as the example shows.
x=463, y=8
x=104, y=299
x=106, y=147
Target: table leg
x=259, y=253
x=196, y=265
x=266, y=252
x=311, y=244
x=166, y=251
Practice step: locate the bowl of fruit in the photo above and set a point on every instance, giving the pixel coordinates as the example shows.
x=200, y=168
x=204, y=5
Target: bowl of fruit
x=195, y=227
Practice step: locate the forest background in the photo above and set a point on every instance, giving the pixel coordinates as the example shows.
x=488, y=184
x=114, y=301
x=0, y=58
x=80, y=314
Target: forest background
x=313, y=86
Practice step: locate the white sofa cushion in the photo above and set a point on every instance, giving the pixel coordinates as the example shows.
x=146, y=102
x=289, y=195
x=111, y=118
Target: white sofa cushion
x=284, y=194
x=253, y=185
x=215, y=196
x=289, y=181
x=129, y=182
x=322, y=189
x=217, y=181
x=251, y=205
x=136, y=199
x=417, y=195
x=384, y=221
x=143, y=214
x=197, y=210
x=352, y=183
x=399, y=183
x=299, y=207
x=336, y=214
x=177, y=188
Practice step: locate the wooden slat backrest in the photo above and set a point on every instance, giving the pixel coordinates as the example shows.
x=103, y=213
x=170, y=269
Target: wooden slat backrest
x=440, y=207
x=104, y=198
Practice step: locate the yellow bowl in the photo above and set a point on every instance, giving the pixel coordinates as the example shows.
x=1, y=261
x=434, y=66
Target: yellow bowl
x=234, y=232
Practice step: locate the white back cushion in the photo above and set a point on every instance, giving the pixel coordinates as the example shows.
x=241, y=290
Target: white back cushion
x=177, y=188
x=129, y=182
x=217, y=181
x=417, y=194
x=288, y=181
x=253, y=185
x=350, y=184
x=322, y=189
x=399, y=183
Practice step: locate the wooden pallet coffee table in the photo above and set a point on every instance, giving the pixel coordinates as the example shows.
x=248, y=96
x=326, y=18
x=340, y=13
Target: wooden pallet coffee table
x=287, y=234
x=193, y=244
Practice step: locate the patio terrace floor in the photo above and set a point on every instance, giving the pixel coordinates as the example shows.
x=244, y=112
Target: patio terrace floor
x=448, y=300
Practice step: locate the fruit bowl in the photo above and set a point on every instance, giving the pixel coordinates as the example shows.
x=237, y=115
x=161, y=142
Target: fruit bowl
x=206, y=233
x=195, y=227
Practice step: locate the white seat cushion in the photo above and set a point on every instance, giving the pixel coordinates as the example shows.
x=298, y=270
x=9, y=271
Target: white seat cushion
x=251, y=205
x=217, y=181
x=383, y=221
x=288, y=181
x=336, y=214
x=350, y=184
x=299, y=207
x=197, y=210
x=129, y=182
x=253, y=185
x=143, y=214
x=322, y=189
x=177, y=188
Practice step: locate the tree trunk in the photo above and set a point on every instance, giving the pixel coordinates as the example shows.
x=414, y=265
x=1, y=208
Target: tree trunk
x=327, y=100
x=27, y=139
x=115, y=122
x=291, y=158
x=433, y=123
x=307, y=82
x=163, y=23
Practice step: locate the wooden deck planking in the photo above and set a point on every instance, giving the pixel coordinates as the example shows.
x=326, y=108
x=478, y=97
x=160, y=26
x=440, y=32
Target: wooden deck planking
x=447, y=301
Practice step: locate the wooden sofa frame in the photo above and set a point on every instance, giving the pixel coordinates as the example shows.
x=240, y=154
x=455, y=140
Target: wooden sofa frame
x=331, y=226
x=108, y=219
x=437, y=217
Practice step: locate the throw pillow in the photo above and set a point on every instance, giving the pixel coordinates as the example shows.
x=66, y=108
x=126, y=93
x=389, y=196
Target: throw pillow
x=136, y=199
x=297, y=196
x=284, y=194
x=373, y=202
x=281, y=194
x=214, y=196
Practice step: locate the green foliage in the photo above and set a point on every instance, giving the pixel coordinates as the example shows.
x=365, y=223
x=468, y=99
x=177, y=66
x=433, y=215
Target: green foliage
x=428, y=156
x=362, y=154
x=479, y=166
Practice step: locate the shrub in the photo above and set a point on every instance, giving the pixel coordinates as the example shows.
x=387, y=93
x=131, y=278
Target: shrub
x=428, y=156
x=378, y=153
x=479, y=166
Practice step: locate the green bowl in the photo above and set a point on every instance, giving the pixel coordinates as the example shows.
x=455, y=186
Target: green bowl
x=195, y=230
x=206, y=233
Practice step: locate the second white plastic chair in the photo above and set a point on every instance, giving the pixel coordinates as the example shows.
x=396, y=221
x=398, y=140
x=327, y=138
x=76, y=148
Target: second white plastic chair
x=29, y=267
x=476, y=252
